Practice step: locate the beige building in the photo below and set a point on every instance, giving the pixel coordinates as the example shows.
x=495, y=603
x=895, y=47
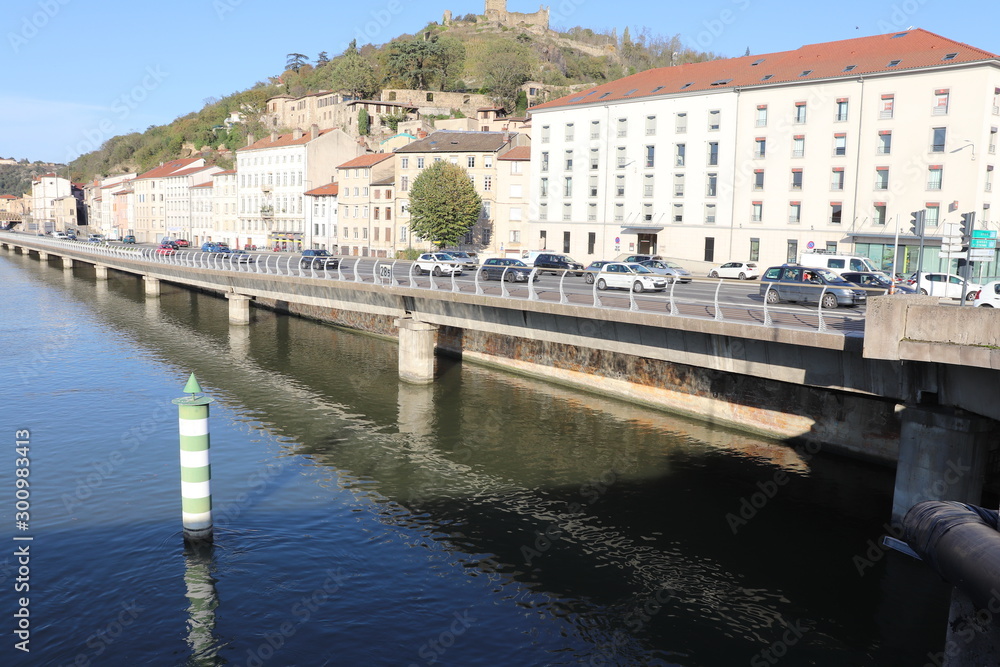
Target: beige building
x=513, y=204
x=366, y=201
x=150, y=198
x=179, y=209
x=224, y=204
x=322, y=215
x=45, y=191
x=764, y=157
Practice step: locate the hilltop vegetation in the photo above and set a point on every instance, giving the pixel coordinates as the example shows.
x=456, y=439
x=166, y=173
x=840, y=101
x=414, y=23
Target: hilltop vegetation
x=468, y=55
x=15, y=179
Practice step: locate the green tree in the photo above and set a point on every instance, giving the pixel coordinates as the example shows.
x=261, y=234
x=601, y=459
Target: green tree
x=353, y=73
x=413, y=62
x=296, y=61
x=505, y=72
x=322, y=59
x=364, y=122
x=450, y=61
x=392, y=120
x=444, y=205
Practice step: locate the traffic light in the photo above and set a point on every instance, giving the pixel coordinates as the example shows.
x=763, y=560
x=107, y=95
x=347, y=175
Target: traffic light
x=966, y=226
x=917, y=223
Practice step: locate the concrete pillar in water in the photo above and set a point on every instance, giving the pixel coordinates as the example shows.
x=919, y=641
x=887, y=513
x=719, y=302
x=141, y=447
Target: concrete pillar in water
x=942, y=456
x=43, y=256
x=67, y=263
x=239, y=308
x=25, y=250
x=152, y=286
x=416, y=350
x=101, y=271
x=196, y=471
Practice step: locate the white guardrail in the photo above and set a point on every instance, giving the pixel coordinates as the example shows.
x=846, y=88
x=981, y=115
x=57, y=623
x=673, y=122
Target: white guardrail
x=383, y=273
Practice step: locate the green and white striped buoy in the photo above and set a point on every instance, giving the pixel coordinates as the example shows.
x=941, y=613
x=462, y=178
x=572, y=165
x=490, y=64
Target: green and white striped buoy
x=196, y=471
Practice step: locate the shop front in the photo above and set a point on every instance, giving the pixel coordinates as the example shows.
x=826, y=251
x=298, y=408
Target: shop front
x=285, y=241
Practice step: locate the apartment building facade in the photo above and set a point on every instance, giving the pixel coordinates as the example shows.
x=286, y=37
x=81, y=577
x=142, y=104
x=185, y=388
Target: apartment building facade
x=224, y=203
x=366, y=200
x=150, y=198
x=763, y=157
x=514, y=204
x=45, y=190
x=322, y=217
x=180, y=189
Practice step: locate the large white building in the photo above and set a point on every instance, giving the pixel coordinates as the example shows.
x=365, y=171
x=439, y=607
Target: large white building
x=764, y=157
x=45, y=190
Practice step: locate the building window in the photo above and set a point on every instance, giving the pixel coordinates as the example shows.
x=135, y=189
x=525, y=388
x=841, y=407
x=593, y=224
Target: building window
x=515, y=236
x=800, y=112
x=712, y=185
x=514, y=215
x=882, y=178
x=566, y=242
x=543, y=211
x=568, y=187
x=680, y=150
x=650, y=156
x=992, y=145
x=837, y=179
x=713, y=120
x=595, y=129
x=756, y=211
x=836, y=212
x=792, y=251
x=754, y=250
x=938, y=135
x=760, y=149
x=470, y=161
x=713, y=153
x=796, y=179
x=592, y=186
x=650, y=126
x=621, y=158
x=516, y=191
x=840, y=144
x=567, y=212
x=569, y=160
x=420, y=163
x=709, y=249
x=594, y=159
x=761, y=115
x=591, y=242
x=878, y=216
x=940, y=102
x=619, y=212
x=569, y=131
x=884, y=142
x=932, y=215
x=841, y=115
x=487, y=164
x=591, y=217
x=795, y=212
x=887, y=106
x=709, y=214
x=543, y=189
x=546, y=131
x=647, y=212
x=678, y=212
x=681, y=125
x=487, y=183
x=404, y=183
x=620, y=185
x=622, y=127
x=799, y=146
x=404, y=163
x=758, y=179
x=934, y=175
x=678, y=185
x=545, y=162
x=647, y=185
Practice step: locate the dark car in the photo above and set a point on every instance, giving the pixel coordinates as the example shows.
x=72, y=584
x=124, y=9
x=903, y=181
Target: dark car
x=318, y=259
x=875, y=284
x=506, y=268
x=638, y=258
x=556, y=264
x=806, y=284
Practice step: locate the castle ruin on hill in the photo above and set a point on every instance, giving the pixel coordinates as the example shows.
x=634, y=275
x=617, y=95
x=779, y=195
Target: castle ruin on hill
x=496, y=11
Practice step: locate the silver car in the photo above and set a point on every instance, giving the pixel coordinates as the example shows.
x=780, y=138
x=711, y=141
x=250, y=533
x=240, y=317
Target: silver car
x=634, y=277
x=438, y=263
x=673, y=271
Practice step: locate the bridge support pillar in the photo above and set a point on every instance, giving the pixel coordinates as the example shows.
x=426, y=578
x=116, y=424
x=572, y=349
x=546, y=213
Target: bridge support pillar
x=152, y=286
x=942, y=456
x=416, y=350
x=101, y=271
x=25, y=250
x=67, y=264
x=43, y=256
x=239, y=308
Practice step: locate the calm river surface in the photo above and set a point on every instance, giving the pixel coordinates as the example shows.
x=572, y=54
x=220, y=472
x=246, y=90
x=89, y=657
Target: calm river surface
x=485, y=520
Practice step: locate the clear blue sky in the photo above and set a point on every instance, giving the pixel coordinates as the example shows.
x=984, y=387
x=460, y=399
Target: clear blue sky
x=79, y=72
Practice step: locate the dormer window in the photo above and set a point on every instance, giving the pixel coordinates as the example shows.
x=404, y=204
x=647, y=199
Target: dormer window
x=850, y=68
x=806, y=72
x=949, y=56
x=688, y=84
x=757, y=62
x=899, y=34
x=893, y=63
x=767, y=76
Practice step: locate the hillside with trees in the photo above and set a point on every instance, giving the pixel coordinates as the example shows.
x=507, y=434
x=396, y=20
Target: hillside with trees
x=15, y=179
x=467, y=55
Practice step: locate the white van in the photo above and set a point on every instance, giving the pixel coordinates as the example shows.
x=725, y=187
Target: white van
x=838, y=263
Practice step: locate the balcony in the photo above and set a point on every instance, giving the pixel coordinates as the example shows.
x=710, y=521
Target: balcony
x=989, y=187
x=881, y=185
x=794, y=219
x=941, y=111
x=758, y=155
x=799, y=153
x=755, y=218
x=885, y=115
x=267, y=212
x=681, y=129
x=884, y=150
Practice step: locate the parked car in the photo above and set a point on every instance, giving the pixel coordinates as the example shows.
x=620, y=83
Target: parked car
x=837, y=263
x=241, y=256
x=634, y=276
x=943, y=284
x=988, y=296
x=169, y=243
x=673, y=271
x=71, y=235
x=96, y=238
x=739, y=270
x=506, y=268
x=594, y=269
x=165, y=249
x=804, y=284
x=59, y=235
x=875, y=284
x=182, y=243
x=318, y=259
x=128, y=238
x=212, y=246
x=556, y=264
x=465, y=260
x=438, y=263
x=636, y=258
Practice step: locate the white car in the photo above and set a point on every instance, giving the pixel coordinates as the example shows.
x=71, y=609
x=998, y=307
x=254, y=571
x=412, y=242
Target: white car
x=438, y=263
x=59, y=235
x=988, y=296
x=635, y=277
x=739, y=270
x=672, y=271
x=944, y=285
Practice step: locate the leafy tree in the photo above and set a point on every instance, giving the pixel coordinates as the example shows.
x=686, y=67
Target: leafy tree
x=322, y=59
x=364, y=122
x=444, y=205
x=353, y=73
x=296, y=61
x=450, y=60
x=521, y=107
x=505, y=72
x=392, y=120
x=412, y=61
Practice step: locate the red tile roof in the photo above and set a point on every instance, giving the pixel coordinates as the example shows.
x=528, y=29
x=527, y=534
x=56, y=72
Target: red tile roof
x=226, y=172
x=192, y=170
x=368, y=160
x=913, y=49
x=282, y=140
x=203, y=185
x=519, y=153
x=167, y=168
x=328, y=190
x=7, y=197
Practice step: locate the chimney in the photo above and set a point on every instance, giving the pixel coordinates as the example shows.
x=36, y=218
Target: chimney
x=297, y=133
x=249, y=140
x=421, y=134
x=313, y=131
x=274, y=136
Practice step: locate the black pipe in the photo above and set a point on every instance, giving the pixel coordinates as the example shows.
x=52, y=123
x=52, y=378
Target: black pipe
x=961, y=543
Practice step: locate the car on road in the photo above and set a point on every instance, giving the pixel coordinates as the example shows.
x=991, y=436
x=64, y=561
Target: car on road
x=875, y=284
x=465, y=260
x=673, y=271
x=182, y=243
x=809, y=285
x=96, y=238
x=318, y=259
x=241, y=256
x=593, y=270
x=506, y=268
x=988, y=296
x=633, y=276
x=128, y=238
x=636, y=258
x=165, y=249
x=59, y=235
x=738, y=270
x=557, y=264
x=71, y=235
x=211, y=246
x=438, y=263
x=943, y=285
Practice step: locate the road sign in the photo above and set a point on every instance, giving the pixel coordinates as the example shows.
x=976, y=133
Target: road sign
x=981, y=255
x=984, y=234
x=982, y=243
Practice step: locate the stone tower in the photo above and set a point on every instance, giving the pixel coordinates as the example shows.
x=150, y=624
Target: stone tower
x=496, y=10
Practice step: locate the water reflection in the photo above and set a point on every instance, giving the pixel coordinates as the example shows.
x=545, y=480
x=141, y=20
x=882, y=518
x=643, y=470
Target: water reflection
x=199, y=564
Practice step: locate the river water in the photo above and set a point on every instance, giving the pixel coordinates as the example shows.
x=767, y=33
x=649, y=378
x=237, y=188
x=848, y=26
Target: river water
x=488, y=519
